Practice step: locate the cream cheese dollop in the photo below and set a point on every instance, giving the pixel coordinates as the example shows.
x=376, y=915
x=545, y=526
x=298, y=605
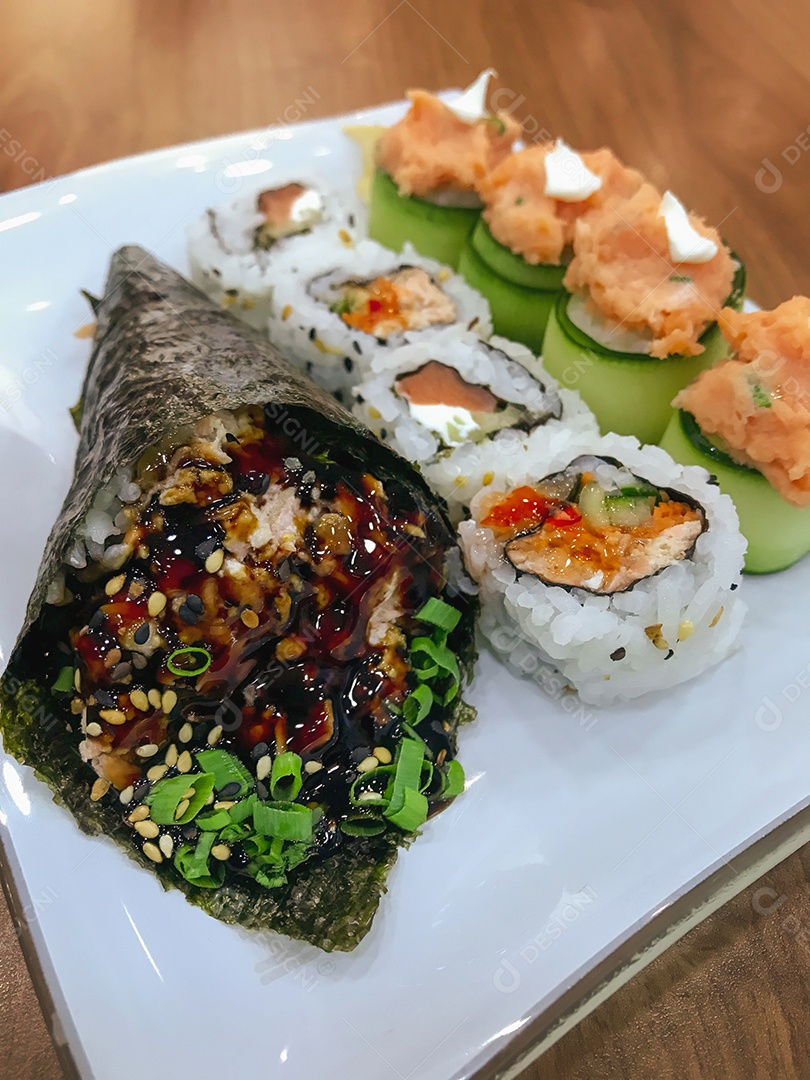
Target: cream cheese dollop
x=568, y=178
x=472, y=105
x=452, y=424
x=685, y=243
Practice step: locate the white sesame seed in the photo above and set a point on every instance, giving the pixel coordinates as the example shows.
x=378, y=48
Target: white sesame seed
x=148, y=829
x=152, y=851
x=168, y=701
x=368, y=796
x=367, y=764
x=147, y=751
x=113, y=716
x=156, y=604
x=166, y=845
x=382, y=754
x=114, y=585
x=127, y=795
x=264, y=767
x=93, y=729
x=140, y=813
x=210, y=800
x=312, y=767
x=214, y=561
x=171, y=756
x=221, y=852
x=139, y=700
x=157, y=772
x=214, y=735
x=99, y=789
x=181, y=809
x=154, y=698
x=184, y=762
x=224, y=804
x=77, y=679
x=189, y=792
x=185, y=733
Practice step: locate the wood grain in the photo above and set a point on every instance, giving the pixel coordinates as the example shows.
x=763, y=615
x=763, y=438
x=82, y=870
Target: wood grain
x=698, y=94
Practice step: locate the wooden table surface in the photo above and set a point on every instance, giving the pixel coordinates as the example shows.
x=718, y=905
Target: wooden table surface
x=708, y=97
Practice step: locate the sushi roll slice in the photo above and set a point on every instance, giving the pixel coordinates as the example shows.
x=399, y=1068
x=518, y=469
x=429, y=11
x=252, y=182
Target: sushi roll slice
x=428, y=167
x=638, y=318
x=238, y=250
x=517, y=254
x=241, y=659
x=616, y=567
x=748, y=420
x=458, y=407
x=330, y=319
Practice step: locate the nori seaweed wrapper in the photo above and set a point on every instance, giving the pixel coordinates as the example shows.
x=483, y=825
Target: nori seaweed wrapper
x=165, y=357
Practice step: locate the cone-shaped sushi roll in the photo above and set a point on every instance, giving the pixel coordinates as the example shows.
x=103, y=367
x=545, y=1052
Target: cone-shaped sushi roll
x=238, y=250
x=240, y=659
x=614, y=565
x=638, y=318
x=458, y=406
x=518, y=252
x=429, y=166
x=748, y=420
x=330, y=319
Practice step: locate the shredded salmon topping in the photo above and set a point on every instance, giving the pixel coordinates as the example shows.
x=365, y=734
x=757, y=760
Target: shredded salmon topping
x=532, y=224
x=432, y=149
x=758, y=403
x=622, y=263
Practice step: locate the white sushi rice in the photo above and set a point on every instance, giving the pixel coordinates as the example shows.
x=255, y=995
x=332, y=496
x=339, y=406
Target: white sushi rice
x=235, y=273
x=509, y=370
x=317, y=339
x=572, y=631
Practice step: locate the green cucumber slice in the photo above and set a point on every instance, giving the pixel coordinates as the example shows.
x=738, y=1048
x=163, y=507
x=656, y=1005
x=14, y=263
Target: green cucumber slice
x=512, y=267
x=438, y=232
x=518, y=312
x=778, y=532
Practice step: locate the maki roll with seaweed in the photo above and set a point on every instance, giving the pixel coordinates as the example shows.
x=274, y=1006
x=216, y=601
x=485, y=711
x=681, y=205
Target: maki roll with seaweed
x=457, y=406
x=518, y=252
x=241, y=637
x=331, y=319
x=748, y=420
x=428, y=167
x=615, y=567
x=238, y=251
x=637, y=320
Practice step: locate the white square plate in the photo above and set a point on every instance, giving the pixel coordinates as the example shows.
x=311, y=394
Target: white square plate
x=578, y=828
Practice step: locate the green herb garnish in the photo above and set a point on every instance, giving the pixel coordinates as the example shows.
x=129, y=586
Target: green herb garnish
x=189, y=661
x=64, y=681
x=761, y=398
x=683, y=279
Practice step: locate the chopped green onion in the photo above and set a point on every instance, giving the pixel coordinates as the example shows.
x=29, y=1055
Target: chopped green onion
x=284, y=821
x=167, y=795
x=193, y=863
x=411, y=812
x=285, y=778
x=442, y=658
x=225, y=769
x=370, y=782
x=214, y=822
x=243, y=809
x=362, y=825
x=191, y=665
x=64, y=681
x=418, y=704
x=761, y=399
x=438, y=613
x=453, y=780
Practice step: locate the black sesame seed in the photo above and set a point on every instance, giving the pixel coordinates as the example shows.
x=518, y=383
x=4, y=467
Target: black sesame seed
x=141, y=635
x=351, y=221
x=195, y=603
x=383, y=433
x=283, y=573
x=619, y=654
x=348, y=363
x=139, y=661
x=734, y=585
x=360, y=754
x=142, y=789
x=311, y=334
x=121, y=671
x=187, y=615
x=670, y=654
x=230, y=790
x=230, y=438
x=190, y=832
x=309, y=367
x=262, y=790
x=106, y=699
x=206, y=547
x=356, y=347
x=97, y=620
x=258, y=751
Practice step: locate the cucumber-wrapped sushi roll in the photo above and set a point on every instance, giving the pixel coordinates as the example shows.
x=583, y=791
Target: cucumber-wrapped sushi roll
x=748, y=420
x=330, y=319
x=227, y=664
x=517, y=253
x=615, y=566
x=459, y=407
x=238, y=250
x=428, y=167
x=637, y=319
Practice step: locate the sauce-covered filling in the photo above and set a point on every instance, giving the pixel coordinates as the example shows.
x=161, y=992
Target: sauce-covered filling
x=407, y=299
x=457, y=411
x=594, y=526
x=288, y=211
x=260, y=632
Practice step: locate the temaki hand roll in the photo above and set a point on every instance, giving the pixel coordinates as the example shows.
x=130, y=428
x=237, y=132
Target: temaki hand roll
x=616, y=567
x=429, y=166
x=638, y=317
x=748, y=420
x=517, y=254
x=240, y=659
